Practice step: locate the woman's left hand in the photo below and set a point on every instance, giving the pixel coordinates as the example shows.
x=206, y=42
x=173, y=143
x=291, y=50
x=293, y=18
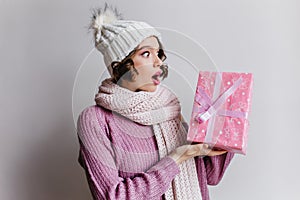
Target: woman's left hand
x=186, y=152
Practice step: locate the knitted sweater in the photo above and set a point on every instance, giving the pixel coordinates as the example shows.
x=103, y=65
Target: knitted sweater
x=121, y=161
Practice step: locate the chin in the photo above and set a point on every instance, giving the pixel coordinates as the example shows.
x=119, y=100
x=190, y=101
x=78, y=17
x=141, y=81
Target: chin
x=148, y=88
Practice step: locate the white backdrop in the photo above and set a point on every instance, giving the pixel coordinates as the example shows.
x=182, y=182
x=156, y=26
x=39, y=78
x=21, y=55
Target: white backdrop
x=43, y=43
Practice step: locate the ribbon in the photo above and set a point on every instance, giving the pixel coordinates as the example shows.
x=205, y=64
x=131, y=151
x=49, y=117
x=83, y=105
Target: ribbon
x=209, y=108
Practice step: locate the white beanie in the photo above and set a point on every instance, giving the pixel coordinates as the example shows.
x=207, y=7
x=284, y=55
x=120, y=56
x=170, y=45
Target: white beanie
x=116, y=38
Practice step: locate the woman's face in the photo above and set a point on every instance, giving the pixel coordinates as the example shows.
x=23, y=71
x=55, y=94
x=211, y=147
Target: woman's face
x=147, y=63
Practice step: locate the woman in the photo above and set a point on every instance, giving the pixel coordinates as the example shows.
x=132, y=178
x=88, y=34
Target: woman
x=133, y=142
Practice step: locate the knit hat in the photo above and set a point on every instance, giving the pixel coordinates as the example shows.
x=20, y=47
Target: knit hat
x=114, y=37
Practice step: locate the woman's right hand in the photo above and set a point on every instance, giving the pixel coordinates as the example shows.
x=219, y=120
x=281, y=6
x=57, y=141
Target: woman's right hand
x=185, y=152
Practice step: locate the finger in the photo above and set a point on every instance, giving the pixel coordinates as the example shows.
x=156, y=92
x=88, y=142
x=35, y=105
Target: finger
x=204, y=150
x=191, y=149
x=196, y=150
x=216, y=153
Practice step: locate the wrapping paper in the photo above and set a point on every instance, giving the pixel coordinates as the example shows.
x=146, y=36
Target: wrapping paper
x=220, y=112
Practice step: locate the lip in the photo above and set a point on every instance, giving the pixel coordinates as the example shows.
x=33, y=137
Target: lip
x=156, y=77
x=158, y=73
x=156, y=82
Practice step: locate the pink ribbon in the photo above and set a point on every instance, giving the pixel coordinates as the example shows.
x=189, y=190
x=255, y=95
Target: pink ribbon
x=210, y=108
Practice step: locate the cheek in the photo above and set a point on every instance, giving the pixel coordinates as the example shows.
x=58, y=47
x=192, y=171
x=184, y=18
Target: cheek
x=136, y=62
x=144, y=74
x=140, y=62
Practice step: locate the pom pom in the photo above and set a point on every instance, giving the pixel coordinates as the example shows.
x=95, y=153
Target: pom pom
x=103, y=16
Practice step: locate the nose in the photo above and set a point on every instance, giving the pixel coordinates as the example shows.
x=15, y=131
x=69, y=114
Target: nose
x=157, y=61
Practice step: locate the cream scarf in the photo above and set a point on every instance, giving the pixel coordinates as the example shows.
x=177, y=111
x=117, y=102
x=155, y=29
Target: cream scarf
x=162, y=110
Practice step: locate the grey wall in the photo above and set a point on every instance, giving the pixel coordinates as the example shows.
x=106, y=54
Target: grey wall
x=43, y=44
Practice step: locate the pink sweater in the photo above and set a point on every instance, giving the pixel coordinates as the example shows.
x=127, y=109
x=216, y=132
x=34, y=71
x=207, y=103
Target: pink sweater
x=121, y=161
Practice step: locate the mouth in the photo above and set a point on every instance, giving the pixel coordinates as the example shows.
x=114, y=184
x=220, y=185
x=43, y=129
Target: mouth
x=157, y=78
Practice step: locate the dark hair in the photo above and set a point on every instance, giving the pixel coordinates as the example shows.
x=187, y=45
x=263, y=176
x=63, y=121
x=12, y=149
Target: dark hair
x=125, y=69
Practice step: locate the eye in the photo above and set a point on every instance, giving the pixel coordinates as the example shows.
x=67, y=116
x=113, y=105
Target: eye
x=145, y=54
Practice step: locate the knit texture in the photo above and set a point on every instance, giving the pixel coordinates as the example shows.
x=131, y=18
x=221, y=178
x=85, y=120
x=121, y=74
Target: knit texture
x=114, y=37
x=162, y=110
x=124, y=36
x=120, y=159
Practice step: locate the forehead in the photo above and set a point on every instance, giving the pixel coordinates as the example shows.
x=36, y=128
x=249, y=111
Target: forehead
x=149, y=42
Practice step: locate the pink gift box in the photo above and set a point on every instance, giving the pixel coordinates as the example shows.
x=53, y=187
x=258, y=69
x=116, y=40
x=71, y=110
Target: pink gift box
x=220, y=112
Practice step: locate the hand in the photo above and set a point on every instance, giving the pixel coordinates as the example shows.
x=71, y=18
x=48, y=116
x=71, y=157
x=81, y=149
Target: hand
x=186, y=152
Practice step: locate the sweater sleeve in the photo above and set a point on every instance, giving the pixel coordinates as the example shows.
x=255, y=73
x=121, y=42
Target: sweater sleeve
x=216, y=166
x=97, y=158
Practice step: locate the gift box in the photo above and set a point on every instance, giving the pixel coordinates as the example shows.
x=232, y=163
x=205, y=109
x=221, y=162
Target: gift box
x=220, y=111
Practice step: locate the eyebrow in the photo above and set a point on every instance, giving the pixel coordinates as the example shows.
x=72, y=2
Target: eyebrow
x=144, y=47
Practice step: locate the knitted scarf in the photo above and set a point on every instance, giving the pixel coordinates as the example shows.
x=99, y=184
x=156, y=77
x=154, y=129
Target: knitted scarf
x=161, y=109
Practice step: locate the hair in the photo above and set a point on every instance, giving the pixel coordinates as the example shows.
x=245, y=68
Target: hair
x=125, y=70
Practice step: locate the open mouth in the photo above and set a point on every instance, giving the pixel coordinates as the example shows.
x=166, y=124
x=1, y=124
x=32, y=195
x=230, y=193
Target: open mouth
x=157, y=78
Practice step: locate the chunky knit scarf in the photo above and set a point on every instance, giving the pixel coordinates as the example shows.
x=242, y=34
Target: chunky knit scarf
x=162, y=110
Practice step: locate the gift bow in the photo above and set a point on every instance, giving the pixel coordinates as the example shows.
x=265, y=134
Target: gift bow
x=210, y=108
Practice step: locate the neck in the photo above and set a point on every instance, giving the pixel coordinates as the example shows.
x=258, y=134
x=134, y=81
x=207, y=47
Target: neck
x=127, y=85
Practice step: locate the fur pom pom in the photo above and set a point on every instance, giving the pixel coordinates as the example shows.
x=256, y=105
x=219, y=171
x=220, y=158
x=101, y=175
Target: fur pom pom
x=103, y=16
